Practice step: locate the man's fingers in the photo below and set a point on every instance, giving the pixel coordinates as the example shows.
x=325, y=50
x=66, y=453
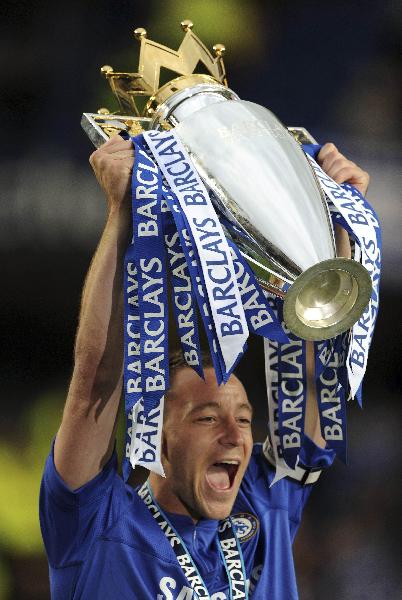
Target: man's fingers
x=112, y=164
x=328, y=155
x=343, y=173
x=121, y=155
x=352, y=174
x=112, y=141
x=333, y=162
x=113, y=145
x=337, y=165
x=327, y=150
x=341, y=169
x=117, y=146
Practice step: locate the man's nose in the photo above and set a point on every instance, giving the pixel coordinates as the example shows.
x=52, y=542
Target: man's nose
x=232, y=435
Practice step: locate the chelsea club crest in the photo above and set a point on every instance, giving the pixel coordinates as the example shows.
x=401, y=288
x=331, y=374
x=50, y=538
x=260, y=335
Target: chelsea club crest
x=246, y=526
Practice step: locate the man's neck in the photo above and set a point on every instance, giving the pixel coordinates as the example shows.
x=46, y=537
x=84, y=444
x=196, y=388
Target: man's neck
x=166, y=499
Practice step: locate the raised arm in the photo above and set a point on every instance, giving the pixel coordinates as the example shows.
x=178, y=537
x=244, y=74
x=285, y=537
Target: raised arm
x=341, y=170
x=85, y=439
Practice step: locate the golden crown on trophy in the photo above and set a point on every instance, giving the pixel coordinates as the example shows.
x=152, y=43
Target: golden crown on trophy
x=153, y=56
x=128, y=87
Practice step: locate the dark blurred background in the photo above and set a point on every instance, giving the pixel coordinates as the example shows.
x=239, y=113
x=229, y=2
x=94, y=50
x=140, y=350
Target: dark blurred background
x=332, y=67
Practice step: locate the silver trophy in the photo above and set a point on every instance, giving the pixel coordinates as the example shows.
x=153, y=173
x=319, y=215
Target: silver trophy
x=260, y=180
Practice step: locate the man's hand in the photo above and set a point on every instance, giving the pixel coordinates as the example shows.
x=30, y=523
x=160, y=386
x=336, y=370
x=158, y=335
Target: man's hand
x=113, y=165
x=341, y=169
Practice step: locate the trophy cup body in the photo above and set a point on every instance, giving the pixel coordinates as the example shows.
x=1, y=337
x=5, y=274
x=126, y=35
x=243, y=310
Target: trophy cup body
x=265, y=188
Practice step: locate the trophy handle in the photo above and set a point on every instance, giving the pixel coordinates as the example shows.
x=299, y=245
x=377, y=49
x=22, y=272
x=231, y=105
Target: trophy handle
x=302, y=135
x=103, y=125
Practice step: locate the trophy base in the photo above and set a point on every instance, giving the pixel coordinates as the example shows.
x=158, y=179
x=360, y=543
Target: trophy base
x=327, y=299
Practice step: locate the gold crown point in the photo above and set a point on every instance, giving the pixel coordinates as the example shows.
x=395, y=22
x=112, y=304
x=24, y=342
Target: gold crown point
x=140, y=33
x=219, y=50
x=103, y=111
x=186, y=25
x=183, y=62
x=106, y=69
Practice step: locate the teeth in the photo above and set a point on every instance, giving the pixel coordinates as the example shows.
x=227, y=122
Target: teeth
x=229, y=462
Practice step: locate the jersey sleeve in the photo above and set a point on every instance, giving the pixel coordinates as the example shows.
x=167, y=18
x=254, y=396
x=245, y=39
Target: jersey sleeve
x=289, y=494
x=71, y=520
x=312, y=461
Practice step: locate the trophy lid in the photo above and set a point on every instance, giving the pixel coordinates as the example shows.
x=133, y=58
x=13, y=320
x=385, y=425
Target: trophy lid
x=184, y=62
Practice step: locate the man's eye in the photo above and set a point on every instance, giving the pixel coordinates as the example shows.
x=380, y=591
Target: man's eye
x=244, y=421
x=208, y=419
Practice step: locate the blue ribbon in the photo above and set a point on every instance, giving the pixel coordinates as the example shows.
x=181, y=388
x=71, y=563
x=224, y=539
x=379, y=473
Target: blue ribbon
x=183, y=297
x=149, y=252
x=261, y=319
x=331, y=397
x=292, y=396
x=197, y=281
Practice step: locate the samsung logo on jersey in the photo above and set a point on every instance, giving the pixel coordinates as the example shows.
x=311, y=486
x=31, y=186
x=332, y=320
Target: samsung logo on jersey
x=167, y=584
x=172, y=591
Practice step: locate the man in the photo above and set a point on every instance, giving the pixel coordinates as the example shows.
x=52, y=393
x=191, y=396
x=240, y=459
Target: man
x=171, y=540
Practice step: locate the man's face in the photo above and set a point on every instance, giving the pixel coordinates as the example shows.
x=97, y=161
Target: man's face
x=207, y=442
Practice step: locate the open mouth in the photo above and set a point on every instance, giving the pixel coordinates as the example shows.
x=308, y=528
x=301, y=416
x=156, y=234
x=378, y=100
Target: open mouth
x=221, y=475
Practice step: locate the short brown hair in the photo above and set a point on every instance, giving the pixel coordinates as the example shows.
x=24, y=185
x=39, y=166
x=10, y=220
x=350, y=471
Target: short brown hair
x=177, y=361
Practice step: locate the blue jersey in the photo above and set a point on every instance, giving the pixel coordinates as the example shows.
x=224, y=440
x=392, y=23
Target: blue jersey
x=103, y=543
